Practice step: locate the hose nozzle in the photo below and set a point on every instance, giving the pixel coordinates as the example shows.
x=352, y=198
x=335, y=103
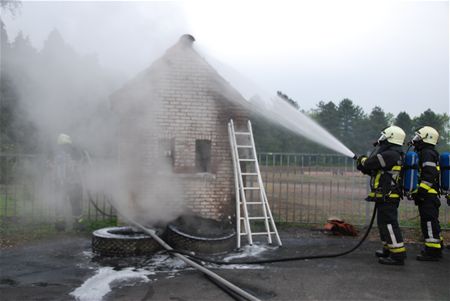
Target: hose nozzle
x=355, y=157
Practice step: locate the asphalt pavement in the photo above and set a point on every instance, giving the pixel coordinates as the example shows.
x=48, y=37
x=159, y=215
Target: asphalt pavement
x=55, y=269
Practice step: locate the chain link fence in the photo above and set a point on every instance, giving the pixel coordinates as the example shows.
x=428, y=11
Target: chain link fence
x=301, y=188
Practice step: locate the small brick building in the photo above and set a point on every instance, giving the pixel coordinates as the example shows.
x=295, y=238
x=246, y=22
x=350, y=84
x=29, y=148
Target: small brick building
x=177, y=111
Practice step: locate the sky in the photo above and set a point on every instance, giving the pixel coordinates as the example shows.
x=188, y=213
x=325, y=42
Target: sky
x=393, y=54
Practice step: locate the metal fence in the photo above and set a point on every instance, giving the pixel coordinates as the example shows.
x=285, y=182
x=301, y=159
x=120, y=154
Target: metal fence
x=301, y=188
x=310, y=188
x=27, y=193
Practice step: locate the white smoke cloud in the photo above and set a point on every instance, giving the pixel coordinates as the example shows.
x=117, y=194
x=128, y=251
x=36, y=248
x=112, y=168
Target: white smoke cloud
x=63, y=91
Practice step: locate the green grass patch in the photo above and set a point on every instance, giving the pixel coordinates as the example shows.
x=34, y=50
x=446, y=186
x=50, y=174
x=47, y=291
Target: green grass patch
x=12, y=234
x=90, y=225
x=16, y=231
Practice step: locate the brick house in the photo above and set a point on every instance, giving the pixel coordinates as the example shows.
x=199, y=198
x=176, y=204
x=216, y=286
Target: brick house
x=177, y=111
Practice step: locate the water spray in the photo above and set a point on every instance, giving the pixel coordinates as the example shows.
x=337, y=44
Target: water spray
x=271, y=107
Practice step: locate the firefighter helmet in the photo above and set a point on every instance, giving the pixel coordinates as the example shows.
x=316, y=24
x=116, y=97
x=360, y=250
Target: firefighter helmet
x=64, y=139
x=427, y=134
x=392, y=134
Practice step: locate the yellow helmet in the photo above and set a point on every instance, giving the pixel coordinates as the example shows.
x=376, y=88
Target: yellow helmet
x=64, y=139
x=427, y=134
x=393, y=134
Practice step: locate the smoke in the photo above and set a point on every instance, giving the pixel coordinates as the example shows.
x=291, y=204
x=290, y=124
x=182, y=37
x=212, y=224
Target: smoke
x=59, y=91
x=62, y=91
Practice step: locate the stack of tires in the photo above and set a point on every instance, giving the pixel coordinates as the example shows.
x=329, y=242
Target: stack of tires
x=188, y=233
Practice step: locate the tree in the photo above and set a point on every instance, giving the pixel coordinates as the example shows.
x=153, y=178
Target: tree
x=288, y=100
x=368, y=129
x=327, y=116
x=438, y=122
x=24, y=53
x=404, y=121
x=428, y=118
x=378, y=119
x=11, y=6
x=350, y=117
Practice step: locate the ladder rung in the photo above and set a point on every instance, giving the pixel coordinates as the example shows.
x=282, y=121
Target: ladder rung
x=249, y=174
x=247, y=160
x=252, y=188
x=257, y=233
x=256, y=217
x=242, y=133
x=244, y=146
x=252, y=203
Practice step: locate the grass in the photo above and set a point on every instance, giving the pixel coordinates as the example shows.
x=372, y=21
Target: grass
x=89, y=225
x=8, y=206
x=17, y=231
x=12, y=234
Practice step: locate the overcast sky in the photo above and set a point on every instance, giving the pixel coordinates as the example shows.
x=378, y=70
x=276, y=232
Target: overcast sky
x=394, y=54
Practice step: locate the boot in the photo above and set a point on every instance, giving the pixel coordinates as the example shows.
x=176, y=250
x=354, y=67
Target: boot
x=428, y=256
x=382, y=253
x=391, y=261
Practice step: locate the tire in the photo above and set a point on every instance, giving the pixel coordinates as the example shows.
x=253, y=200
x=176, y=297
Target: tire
x=123, y=242
x=183, y=238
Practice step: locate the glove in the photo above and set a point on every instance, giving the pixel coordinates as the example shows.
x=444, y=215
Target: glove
x=360, y=162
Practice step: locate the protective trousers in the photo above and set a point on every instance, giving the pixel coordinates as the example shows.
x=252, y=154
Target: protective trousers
x=390, y=234
x=429, y=223
x=75, y=196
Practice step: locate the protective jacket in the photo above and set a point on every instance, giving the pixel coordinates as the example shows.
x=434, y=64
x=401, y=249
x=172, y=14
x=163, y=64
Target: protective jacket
x=384, y=167
x=428, y=170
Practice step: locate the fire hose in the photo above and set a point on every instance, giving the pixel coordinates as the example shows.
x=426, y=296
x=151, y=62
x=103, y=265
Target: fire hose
x=230, y=288
x=234, y=291
x=332, y=255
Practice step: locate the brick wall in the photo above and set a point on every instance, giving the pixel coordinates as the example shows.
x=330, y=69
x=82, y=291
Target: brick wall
x=180, y=97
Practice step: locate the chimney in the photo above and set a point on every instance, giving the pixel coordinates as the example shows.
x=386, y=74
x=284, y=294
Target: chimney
x=186, y=40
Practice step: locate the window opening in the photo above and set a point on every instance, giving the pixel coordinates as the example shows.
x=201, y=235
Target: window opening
x=203, y=155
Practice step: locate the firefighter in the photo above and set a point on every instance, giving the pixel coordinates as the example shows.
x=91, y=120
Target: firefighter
x=426, y=196
x=384, y=167
x=67, y=164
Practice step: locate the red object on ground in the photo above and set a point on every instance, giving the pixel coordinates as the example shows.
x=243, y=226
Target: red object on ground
x=340, y=227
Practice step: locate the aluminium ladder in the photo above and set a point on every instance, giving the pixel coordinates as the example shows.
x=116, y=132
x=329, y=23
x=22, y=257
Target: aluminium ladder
x=247, y=172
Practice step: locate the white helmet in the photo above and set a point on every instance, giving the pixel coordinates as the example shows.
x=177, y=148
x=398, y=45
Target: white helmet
x=64, y=139
x=393, y=134
x=427, y=134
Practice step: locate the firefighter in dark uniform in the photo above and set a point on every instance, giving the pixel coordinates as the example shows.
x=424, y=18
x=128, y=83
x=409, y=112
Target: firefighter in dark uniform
x=67, y=163
x=384, y=167
x=426, y=197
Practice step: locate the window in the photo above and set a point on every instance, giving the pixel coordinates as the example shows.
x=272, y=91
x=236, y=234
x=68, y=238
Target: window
x=203, y=155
